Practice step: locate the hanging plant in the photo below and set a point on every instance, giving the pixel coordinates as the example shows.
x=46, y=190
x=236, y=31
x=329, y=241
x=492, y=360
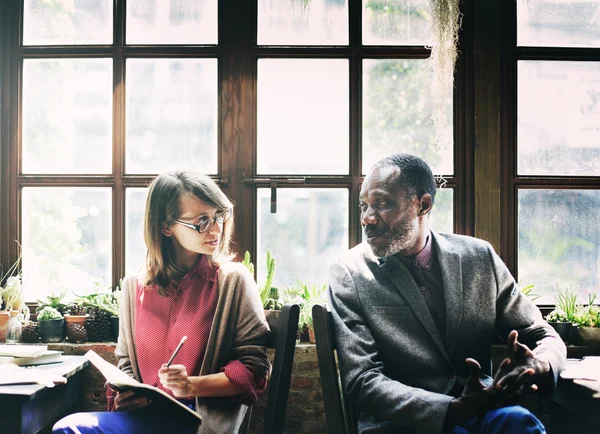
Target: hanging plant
x=446, y=21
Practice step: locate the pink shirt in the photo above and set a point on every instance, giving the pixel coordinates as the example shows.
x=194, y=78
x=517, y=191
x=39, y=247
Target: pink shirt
x=162, y=321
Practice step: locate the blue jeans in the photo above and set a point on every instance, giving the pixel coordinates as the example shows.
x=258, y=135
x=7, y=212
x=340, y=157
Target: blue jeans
x=114, y=422
x=507, y=420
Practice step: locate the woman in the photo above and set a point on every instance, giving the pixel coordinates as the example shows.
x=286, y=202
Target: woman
x=188, y=288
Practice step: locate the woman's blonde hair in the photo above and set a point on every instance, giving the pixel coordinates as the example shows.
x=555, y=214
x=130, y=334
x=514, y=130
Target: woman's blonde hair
x=163, y=206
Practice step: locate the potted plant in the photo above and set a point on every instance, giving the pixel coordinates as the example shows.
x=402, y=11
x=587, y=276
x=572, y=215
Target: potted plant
x=11, y=296
x=103, y=310
x=559, y=320
x=54, y=301
x=587, y=322
x=51, y=324
x=75, y=322
x=269, y=294
x=310, y=296
x=562, y=317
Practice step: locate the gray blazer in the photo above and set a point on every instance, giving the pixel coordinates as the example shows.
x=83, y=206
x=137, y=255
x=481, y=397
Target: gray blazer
x=396, y=367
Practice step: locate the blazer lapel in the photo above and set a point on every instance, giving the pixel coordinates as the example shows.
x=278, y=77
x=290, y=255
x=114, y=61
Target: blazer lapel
x=450, y=265
x=403, y=281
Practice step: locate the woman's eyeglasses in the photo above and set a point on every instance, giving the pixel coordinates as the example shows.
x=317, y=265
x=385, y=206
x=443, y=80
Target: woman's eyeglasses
x=206, y=223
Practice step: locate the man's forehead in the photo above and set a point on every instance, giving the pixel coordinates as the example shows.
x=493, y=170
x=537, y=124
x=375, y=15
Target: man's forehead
x=381, y=181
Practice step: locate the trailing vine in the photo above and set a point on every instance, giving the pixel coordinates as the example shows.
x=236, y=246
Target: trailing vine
x=446, y=22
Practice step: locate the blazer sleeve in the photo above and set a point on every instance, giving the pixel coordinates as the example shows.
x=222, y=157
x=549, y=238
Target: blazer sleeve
x=362, y=368
x=514, y=311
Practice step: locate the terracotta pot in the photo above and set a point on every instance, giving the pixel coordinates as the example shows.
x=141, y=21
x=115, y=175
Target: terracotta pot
x=76, y=319
x=4, y=317
x=311, y=335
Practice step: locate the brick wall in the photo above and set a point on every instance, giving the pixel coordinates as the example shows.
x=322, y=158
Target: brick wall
x=305, y=411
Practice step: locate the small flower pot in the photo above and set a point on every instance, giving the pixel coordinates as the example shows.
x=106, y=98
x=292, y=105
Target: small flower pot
x=4, y=317
x=52, y=330
x=76, y=319
x=304, y=337
x=114, y=327
x=563, y=329
x=588, y=337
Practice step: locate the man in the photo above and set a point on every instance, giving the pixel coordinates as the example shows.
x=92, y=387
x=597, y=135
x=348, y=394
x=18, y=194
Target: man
x=415, y=314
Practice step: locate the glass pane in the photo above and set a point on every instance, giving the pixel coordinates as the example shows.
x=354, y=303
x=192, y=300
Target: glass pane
x=559, y=241
x=171, y=22
x=442, y=213
x=135, y=248
x=171, y=118
x=558, y=23
x=67, y=238
x=396, y=22
x=397, y=109
x=67, y=22
x=303, y=22
x=67, y=116
x=303, y=116
x=558, y=118
x=306, y=234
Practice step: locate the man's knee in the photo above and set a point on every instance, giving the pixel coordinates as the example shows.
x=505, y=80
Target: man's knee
x=514, y=419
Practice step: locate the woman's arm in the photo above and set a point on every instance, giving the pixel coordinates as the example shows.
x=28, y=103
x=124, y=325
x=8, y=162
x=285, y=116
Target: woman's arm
x=176, y=379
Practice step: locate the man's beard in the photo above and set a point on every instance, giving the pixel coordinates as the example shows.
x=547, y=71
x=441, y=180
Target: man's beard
x=401, y=238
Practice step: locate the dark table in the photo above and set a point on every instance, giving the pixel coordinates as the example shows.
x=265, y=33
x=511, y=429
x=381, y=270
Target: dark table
x=575, y=406
x=27, y=409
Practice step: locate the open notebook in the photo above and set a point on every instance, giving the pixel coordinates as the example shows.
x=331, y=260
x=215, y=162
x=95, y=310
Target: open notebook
x=119, y=380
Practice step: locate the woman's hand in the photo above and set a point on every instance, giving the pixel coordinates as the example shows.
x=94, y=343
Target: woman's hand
x=128, y=400
x=175, y=378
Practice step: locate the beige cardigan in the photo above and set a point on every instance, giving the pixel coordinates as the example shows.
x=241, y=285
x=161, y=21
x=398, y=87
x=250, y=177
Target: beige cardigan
x=239, y=332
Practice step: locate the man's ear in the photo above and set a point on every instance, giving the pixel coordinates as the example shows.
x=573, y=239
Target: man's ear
x=166, y=231
x=426, y=204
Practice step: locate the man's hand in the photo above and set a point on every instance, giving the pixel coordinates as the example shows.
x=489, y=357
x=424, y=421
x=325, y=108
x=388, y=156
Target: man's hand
x=128, y=400
x=175, y=378
x=522, y=371
x=476, y=399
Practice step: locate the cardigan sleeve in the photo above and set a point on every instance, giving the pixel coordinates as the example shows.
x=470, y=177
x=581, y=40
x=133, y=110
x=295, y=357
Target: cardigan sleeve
x=124, y=346
x=251, y=332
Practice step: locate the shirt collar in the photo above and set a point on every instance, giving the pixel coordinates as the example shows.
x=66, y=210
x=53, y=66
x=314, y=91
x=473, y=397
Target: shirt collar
x=204, y=267
x=424, y=258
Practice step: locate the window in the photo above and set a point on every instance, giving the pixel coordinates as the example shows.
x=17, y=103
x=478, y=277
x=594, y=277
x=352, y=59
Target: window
x=557, y=154
x=285, y=103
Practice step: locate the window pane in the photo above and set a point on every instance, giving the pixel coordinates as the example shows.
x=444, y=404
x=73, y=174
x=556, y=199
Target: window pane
x=66, y=239
x=303, y=116
x=397, y=109
x=558, y=118
x=442, y=213
x=308, y=232
x=135, y=248
x=558, y=23
x=67, y=22
x=171, y=22
x=171, y=115
x=303, y=22
x=559, y=241
x=67, y=116
x=396, y=22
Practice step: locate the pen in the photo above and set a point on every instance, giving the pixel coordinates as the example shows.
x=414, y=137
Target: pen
x=183, y=339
